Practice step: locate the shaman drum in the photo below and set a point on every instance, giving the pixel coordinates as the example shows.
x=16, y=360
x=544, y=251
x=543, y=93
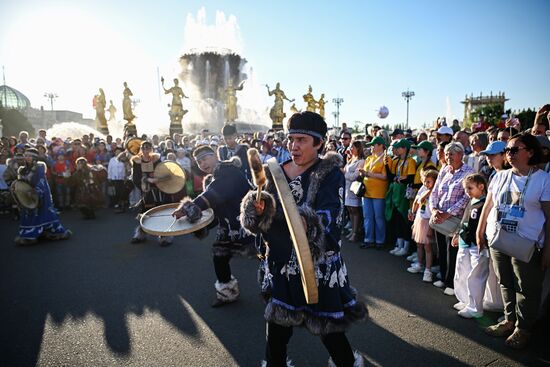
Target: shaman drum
x=171, y=177
x=24, y=194
x=158, y=221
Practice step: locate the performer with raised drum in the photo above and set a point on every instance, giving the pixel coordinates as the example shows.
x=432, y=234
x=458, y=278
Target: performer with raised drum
x=317, y=187
x=41, y=220
x=143, y=167
x=225, y=187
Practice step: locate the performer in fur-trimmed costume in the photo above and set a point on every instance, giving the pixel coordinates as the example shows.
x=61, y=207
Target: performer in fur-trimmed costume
x=317, y=185
x=143, y=166
x=224, y=189
x=44, y=220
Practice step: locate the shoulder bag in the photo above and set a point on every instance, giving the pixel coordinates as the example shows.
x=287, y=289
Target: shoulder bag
x=510, y=242
x=448, y=228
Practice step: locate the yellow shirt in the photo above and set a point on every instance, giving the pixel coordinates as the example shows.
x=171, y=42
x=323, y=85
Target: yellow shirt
x=375, y=187
x=402, y=169
x=423, y=166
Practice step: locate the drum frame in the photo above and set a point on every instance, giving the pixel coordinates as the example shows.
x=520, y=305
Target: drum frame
x=206, y=219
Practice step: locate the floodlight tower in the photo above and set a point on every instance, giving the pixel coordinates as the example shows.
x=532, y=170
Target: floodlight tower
x=408, y=96
x=337, y=101
x=51, y=96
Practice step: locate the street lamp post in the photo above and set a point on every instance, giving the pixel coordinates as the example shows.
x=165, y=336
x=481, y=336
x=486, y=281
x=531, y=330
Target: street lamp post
x=337, y=101
x=51, y=96
x=407, y=95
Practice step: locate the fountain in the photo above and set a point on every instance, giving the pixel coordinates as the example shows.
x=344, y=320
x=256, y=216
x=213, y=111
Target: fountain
x=211, y=60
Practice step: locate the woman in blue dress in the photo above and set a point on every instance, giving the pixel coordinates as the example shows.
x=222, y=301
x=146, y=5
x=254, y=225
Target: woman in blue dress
x=42, y=221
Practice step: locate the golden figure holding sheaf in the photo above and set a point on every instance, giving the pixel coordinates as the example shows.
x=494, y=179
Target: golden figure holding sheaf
x=277, y=113
x=321, y=105
x=100, y=104
x=230, y=96
x=311, y=103
x=129, y=127
x=127, y=104
x=176, y=108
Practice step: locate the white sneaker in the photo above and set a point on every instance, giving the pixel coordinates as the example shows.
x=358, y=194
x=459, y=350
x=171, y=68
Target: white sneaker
x=401, y=252
x=459, y=306
x=428, y=277
x=415, y=269
x=395, y=249
x=439, y=284
x=449, y=291
x=467, y=314
x=412, y=258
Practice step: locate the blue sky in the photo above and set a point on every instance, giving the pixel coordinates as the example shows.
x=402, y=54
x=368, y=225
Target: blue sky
x=366, y=52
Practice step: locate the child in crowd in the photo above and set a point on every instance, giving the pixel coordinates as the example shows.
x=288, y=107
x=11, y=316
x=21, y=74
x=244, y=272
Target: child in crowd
x=62, y=171
x=422, y=233
x=472, y=261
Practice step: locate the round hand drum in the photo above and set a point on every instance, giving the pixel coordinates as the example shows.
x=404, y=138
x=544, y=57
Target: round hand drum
x=171, y=177
x=158, y=221
x=24, y=194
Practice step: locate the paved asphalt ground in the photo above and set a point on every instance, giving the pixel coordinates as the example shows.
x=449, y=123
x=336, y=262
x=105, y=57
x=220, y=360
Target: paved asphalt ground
x=97, y=300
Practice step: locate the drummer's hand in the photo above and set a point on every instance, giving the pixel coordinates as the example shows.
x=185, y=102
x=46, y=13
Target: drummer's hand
x=259, y=206
x=152, y=180
x=178, y=213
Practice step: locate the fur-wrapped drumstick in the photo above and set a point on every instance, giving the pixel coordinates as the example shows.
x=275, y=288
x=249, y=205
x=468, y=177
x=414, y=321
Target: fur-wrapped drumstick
x=258, y=173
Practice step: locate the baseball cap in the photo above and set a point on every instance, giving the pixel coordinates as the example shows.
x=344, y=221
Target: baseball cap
x=426, y=145
x=397, y=132
x=402, y=143
x=495, y=147
x=376, y=140
x=445, y=130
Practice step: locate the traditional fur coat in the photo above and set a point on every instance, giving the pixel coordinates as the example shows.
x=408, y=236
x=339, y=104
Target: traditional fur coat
x=319, y=194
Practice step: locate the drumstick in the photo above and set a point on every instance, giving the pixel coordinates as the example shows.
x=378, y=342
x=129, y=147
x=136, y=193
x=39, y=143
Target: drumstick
x=258, y=173
x=171, y=225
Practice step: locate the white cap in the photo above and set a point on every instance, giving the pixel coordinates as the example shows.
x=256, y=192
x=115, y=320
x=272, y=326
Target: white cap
x=445, y=130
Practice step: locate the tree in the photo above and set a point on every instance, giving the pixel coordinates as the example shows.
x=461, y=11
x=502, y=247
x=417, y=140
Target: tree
x=526, y=117
x=491, y=114
x=13, y=122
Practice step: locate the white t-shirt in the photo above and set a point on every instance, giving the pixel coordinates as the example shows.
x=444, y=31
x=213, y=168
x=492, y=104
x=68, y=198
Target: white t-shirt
x=425, y=209
x=505, y=189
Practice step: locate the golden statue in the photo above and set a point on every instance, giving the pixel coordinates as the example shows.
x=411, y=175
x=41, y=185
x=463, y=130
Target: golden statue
x=310, y=101
x=129, y=128
x=321, y=105
x=231, y=101
x=100, y=104
x=112, y=111
x=127, y=104
x=294, y=109
x=176, y=108
x=277, y=113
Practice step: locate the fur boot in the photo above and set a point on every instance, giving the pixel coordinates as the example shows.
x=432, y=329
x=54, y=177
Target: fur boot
x=359, y=360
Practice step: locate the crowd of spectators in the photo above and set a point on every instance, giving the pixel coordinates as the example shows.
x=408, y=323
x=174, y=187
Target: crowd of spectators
x=412, y=182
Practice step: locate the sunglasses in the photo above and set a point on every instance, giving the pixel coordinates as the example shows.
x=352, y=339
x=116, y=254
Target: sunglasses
x=513, y=150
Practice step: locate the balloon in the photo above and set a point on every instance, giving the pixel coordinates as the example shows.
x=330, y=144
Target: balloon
x=383, y=112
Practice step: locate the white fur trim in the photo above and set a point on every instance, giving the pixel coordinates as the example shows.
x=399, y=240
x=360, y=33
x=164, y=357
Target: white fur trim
x=359, y=360
x=227, y=292
x=263, y=363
